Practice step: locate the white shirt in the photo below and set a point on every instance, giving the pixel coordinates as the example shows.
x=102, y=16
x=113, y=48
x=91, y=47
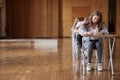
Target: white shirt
x=80, y=24
x=94, y=33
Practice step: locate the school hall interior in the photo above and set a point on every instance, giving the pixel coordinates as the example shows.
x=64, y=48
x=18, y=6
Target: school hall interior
x=36, y=41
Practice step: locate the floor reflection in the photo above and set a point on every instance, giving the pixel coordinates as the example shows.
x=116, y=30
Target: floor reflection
x=26, y=59
x=46, y=44
x=90, y=75
x=40, y=44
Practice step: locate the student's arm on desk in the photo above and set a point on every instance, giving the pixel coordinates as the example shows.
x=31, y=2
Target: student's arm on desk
x=104, y=30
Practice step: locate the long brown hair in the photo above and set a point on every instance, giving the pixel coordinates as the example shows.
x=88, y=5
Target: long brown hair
x=100, y=22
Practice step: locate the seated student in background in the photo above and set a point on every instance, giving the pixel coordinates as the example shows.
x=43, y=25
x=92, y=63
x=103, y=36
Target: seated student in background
x=80, y=23
x=95, y=27
x=75, y=29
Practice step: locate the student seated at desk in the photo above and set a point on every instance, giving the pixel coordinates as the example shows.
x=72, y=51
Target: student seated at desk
x=95, y=27
x=81, y=23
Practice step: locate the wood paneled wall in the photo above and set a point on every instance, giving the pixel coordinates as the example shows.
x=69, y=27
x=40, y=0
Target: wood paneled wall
x=118, y=17
x=78, y=8
x=41, y=18
x=32, y=18
x=0, y=22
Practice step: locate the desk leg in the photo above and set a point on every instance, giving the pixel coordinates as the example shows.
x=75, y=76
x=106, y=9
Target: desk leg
x=111, y=48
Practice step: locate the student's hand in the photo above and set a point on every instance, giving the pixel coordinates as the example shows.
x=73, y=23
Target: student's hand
x=99, y=33
x=88, y=33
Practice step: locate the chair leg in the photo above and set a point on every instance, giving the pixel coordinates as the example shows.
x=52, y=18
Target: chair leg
x=103, y=59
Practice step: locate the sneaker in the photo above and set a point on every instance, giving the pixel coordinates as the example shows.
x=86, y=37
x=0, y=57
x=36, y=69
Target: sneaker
x=89, y=68
x=100, y=67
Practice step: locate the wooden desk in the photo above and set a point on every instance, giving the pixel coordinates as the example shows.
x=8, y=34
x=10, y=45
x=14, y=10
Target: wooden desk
x=111, y=48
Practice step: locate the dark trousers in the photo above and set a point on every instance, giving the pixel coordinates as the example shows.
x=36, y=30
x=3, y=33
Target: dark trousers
x=92, y=44
x=79, y=41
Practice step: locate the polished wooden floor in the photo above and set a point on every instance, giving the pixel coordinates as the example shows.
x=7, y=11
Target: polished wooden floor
x=27, y=60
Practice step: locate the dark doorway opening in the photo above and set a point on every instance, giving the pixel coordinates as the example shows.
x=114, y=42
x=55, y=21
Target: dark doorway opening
x=112, y=16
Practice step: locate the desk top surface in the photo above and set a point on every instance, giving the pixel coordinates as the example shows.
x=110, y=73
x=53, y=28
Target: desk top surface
x=109, y=35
